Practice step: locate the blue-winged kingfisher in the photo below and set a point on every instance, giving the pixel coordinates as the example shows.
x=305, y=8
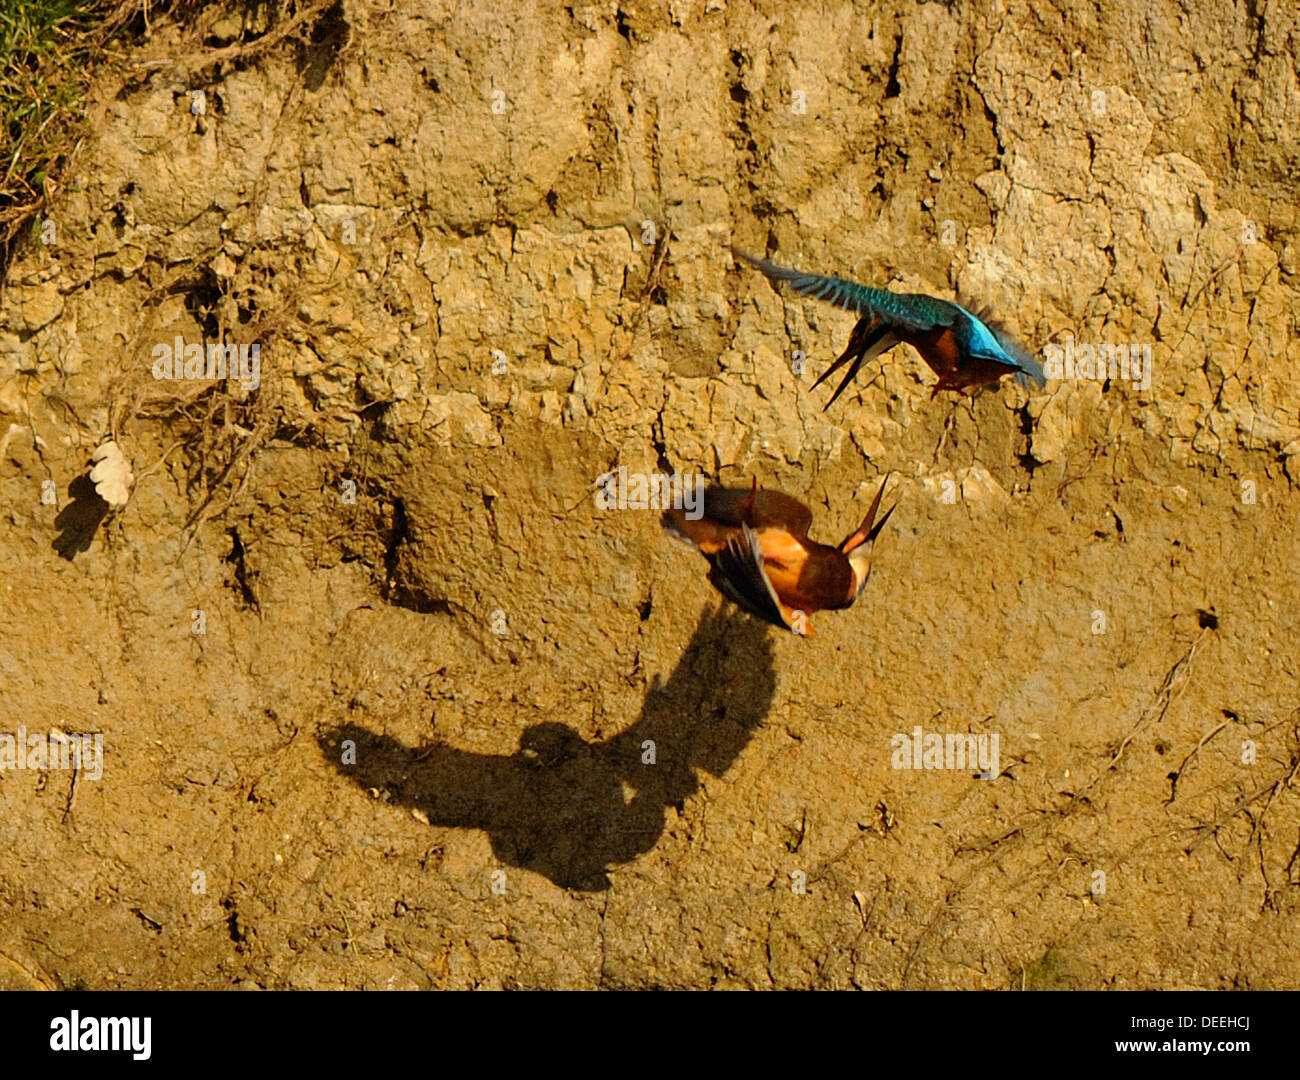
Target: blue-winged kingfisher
x=964, y=349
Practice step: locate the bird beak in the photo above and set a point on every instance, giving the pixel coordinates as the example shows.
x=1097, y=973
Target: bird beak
x=858, y=546
x=865, y=531
x=747, y=507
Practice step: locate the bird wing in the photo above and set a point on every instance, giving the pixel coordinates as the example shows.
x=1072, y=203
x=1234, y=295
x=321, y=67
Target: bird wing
x=777, y=508
x=726, y=506
x=908, y=310
x=741, y=576
x=703, y=533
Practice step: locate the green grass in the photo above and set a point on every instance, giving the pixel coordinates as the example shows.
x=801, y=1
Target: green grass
x=49, y=53
x=49, y=50
x=46, y=47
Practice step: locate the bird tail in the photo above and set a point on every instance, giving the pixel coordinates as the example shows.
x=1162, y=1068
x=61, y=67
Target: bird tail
x=1031, y=371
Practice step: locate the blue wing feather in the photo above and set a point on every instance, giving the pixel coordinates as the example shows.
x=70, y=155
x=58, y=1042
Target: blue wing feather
x=909, y=310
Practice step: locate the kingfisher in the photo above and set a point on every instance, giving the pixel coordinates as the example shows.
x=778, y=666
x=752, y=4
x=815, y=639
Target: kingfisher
x=964, y=349
x=761, y=558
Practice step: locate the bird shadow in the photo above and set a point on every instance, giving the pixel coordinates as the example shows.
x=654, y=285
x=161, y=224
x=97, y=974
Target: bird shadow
x=79, y=519
x=568, y=808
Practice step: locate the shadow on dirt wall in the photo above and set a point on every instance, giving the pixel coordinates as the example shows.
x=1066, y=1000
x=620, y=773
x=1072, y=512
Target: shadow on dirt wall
x=557, y=806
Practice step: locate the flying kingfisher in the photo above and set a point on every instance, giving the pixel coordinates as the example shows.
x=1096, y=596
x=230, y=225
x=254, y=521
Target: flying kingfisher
x=962, y=348
x=760, y=556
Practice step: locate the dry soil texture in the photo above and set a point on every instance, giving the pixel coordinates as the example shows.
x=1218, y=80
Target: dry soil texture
x=377, y=680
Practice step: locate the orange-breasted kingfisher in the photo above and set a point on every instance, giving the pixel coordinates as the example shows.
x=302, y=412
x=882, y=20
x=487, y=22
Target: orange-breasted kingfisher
x=760, y=556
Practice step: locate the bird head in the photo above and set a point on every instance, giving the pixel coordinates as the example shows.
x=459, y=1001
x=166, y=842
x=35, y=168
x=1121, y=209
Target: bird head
x=860, y=562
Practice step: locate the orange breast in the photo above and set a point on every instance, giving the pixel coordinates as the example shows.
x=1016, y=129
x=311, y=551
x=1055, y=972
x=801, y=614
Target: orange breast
x=784, y=558
x=938, y=347
x=807, y=576
x=956, y=371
